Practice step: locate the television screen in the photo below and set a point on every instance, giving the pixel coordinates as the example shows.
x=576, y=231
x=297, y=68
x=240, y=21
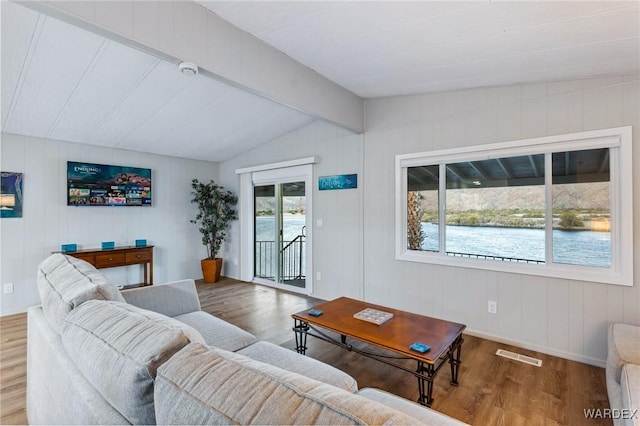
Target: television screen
x=102, y=185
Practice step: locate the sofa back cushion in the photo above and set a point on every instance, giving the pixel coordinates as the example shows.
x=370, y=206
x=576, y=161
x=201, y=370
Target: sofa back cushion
x=65, y=282
x=118, y=347
x=202, y=385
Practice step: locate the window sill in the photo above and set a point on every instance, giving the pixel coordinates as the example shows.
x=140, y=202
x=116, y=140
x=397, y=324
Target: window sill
x=561, y=271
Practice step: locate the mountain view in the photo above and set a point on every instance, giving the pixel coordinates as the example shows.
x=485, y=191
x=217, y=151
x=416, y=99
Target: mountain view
x=522, y=206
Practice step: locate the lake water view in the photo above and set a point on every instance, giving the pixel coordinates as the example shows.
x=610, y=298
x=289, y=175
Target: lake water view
x=291, y=227
x=570, y=247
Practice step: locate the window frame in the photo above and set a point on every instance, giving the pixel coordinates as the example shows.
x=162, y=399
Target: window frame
x=618, y=139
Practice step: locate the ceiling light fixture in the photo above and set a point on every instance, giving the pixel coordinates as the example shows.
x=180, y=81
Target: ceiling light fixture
x=188, y=68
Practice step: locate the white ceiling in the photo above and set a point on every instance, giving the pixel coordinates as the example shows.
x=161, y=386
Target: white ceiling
x=386, y=48
x=61, y=82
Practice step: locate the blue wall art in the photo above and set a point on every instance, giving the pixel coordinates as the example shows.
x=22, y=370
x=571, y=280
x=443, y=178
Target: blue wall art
x=10, y=194
x=338, y=182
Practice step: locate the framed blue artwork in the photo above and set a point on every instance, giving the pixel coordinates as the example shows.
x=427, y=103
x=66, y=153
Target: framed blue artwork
x=338, y=182
x=10, y=194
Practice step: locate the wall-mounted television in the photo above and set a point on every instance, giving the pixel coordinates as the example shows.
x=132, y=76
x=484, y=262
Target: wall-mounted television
x=104, y=185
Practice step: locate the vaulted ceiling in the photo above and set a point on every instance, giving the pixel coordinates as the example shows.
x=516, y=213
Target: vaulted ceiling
x=63, y=82
x=388, y=48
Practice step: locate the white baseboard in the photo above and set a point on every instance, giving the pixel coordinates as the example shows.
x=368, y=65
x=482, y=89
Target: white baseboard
x=538, y=348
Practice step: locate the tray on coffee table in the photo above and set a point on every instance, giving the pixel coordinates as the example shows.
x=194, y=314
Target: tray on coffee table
x=373, y=315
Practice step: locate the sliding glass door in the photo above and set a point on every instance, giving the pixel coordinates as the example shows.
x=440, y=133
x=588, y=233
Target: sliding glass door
x=280, y=224
x=266, y=233
x=280, y=233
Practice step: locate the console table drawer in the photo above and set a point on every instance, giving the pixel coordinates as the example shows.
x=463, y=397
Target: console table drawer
x=90, y=258
x=106, y=260
x=138, y=256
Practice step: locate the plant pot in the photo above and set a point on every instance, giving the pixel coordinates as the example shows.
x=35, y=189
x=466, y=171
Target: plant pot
x=211, y=269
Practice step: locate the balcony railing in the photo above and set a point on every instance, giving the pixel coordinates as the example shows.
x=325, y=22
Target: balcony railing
x=492, y=257
x=291, y=258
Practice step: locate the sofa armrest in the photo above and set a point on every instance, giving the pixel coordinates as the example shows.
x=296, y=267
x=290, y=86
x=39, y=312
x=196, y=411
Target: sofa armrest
x=630, y=381
x=171, y=299
x=623, y=343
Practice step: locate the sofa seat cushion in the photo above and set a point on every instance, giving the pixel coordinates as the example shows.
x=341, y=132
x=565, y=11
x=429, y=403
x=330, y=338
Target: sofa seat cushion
x=630, y=381
x=623, y=344
x=65, y=282
x=118, y=347
x=424, y=414
x=170, y=299
x=217, y=332
x=201, y=385
x=297, y=363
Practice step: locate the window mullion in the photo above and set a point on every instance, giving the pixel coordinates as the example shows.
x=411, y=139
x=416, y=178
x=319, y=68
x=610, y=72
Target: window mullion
x=615, y=204
x=548, y=209
x=442, y=208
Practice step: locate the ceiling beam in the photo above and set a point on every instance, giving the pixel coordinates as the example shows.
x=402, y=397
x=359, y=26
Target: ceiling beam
x=604, y=161
x=475, y=167
x=186, y=31
x=504, y=168
x=533, y=166
x=452, y=169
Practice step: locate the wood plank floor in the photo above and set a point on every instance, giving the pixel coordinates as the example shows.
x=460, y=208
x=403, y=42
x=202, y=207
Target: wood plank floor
x=493, y=390
x=13, y=369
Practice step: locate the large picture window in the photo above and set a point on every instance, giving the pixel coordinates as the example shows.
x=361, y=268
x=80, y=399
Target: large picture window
x=558, y=206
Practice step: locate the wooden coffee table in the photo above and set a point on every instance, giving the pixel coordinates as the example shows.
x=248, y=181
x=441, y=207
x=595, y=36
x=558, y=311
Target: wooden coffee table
x=395, y=335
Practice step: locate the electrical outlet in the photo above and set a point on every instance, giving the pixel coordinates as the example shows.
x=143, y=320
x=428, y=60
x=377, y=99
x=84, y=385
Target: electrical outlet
x=493, y=307
x=318, y=276
x=8, y=288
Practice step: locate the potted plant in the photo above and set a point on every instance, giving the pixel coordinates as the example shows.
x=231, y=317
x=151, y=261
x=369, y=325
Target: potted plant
x=216, y=211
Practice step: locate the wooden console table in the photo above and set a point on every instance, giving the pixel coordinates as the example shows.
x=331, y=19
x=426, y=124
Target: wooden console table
x=120, y=256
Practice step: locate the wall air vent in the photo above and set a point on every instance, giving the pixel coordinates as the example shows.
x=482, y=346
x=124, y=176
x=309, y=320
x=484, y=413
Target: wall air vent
x=518, y=357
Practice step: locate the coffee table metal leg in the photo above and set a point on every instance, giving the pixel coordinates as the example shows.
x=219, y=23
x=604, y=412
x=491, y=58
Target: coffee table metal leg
x=454, y=359
x=301, y=330
x=425, y=398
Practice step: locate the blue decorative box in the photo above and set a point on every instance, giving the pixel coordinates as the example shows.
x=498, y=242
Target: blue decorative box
x=108, y=245
x=68, y=248
x=141, y=243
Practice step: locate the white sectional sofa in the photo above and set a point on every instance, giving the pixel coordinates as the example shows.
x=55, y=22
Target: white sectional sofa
x=623, y=374
x=151, y=356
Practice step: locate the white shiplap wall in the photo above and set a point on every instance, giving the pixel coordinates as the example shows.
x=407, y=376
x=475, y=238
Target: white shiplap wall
x=337, y=245
x=47, y=222
x=562, y=317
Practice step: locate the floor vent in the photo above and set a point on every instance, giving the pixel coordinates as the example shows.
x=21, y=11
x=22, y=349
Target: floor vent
x=518, y=357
